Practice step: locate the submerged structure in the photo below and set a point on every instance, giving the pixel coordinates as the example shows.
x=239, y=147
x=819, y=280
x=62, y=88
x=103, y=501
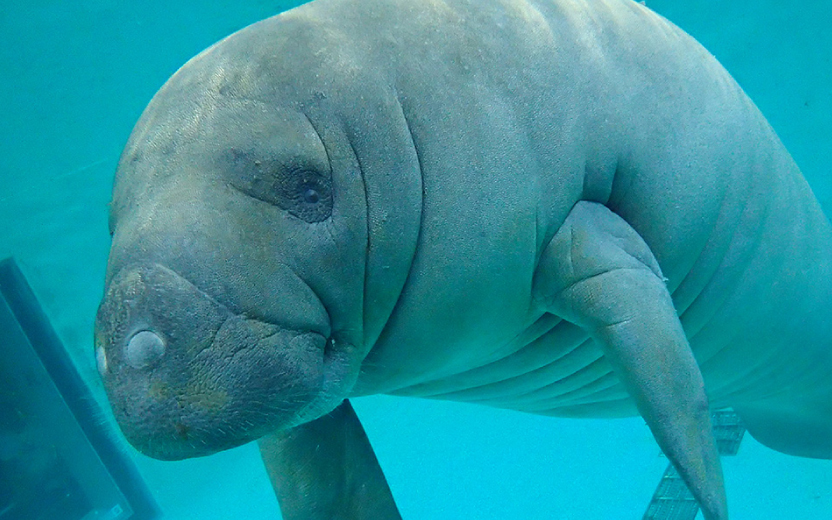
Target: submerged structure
x=59, y=459
x=672, y=499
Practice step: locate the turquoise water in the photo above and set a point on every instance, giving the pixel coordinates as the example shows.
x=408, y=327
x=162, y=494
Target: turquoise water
x=74, y=77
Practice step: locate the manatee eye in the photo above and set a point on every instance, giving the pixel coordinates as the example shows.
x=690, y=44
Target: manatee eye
x=312, y=200
x=310, y=196
x=303, y=192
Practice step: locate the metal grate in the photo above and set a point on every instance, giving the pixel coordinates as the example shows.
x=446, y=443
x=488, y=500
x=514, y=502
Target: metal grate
x=728, y=430
x=672, y=499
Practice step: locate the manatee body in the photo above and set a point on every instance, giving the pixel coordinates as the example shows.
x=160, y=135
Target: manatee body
x=562, y=207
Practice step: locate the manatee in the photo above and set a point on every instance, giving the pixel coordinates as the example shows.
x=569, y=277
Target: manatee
x=562, y=207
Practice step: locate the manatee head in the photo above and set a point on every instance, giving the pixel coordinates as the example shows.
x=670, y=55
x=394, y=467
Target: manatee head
x=233, y=300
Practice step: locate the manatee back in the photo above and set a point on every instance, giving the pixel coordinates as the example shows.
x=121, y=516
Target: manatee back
x=523, y=109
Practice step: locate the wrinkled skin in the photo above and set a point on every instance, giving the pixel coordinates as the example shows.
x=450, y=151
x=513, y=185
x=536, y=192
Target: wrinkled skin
x=567, y=208
x=245, y=343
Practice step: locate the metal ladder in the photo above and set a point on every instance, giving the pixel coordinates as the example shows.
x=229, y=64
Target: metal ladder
x=672, y=500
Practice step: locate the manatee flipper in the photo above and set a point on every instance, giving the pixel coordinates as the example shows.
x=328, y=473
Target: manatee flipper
x=599, y=273
x=326, y=469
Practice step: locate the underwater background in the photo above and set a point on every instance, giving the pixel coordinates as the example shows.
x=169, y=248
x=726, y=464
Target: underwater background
x=74, y=78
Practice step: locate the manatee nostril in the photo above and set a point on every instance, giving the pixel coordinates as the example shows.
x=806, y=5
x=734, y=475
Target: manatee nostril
x=101, y=360
x=144, y=348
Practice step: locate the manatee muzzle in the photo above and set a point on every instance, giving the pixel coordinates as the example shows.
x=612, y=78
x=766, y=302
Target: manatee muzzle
x=186, y=376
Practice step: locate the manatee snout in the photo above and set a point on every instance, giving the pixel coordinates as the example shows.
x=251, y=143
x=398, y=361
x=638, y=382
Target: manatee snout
x=186, y=376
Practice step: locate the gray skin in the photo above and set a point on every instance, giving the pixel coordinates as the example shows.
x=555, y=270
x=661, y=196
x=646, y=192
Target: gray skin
x=562, y=207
